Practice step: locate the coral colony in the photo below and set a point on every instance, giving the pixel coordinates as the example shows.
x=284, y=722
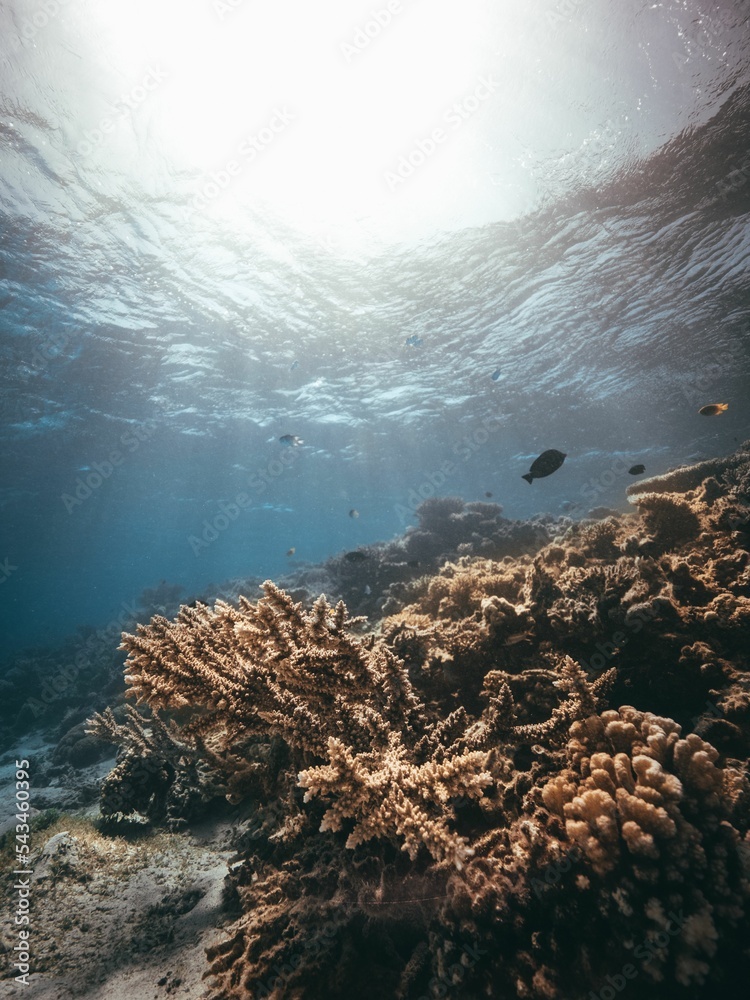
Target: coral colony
x=530, y=782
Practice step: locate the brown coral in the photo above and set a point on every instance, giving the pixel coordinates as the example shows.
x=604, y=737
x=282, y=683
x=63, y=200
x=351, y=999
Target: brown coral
x=275, y=671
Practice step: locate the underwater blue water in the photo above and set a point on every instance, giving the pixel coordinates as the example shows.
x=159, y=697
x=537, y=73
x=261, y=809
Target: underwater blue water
x=586, y=289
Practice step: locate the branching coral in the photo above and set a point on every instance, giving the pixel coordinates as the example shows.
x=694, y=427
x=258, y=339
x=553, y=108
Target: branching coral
x=273, y=670
x=386, y=795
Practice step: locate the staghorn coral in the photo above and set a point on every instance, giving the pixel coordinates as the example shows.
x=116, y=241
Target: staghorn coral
x=402, y=810
x=274, y=671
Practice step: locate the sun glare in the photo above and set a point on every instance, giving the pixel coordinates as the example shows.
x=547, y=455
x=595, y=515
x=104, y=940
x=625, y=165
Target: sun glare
x=323, y=112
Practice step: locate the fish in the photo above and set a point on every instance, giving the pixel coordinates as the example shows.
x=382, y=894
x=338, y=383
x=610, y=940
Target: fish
x=569, y=505
x=356, y=556
x=290, y=440
x=367, y=590
x=291, y=552
x=413, y=563
x=547, y=463
x=413, y=341
x=496, y=375
x=487, y=494
x=294, y=365
x=513, y=640
x=353, y=512
x=636, y=470
x=713, y=409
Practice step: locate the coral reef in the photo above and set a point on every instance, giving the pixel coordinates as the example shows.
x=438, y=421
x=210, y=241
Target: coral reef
x=447, y=528
x=391, y=765
x=690, y=477
x=530, y=782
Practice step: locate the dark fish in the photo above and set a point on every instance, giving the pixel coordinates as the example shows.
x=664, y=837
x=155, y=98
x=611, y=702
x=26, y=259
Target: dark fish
x=413, y=563
x=413, y=341
x=513, y=640
x=636, y=470
x=290, y=440
x=356, y=556
x=291, y=552
x=353, y=512
x=495, y=375
x=547, y=463
x=293, y=366
x=487, y=493
x=713, y=409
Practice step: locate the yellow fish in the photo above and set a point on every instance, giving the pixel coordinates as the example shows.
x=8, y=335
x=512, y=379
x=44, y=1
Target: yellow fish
x=713, y=409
